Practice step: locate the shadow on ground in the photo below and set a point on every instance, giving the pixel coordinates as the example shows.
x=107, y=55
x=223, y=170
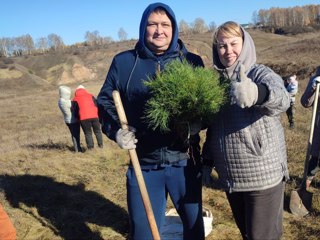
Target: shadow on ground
x=67, y=208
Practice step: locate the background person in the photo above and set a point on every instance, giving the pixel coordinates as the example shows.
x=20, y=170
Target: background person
x=70, y=117
x=307, y=100
x=166, y=166
x=7, y=230
x=291, y=85
x=86, y=106
x=245, y=141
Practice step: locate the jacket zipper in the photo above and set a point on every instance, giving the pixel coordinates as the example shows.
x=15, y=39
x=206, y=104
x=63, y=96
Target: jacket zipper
x=225, y=156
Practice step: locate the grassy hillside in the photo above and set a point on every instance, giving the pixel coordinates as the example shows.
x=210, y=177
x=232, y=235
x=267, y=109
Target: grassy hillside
x=52, y=193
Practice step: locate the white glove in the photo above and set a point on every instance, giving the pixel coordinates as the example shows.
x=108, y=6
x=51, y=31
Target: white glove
x=244, y=92
x=206, y=175
x=315, y=81
x=126, y=138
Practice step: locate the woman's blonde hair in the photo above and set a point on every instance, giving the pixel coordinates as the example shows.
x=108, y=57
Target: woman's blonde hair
x=227, y=29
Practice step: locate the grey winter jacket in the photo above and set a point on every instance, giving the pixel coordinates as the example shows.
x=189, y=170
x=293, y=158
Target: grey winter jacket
x=307, y=100
x=247, y=145
x=65, y=105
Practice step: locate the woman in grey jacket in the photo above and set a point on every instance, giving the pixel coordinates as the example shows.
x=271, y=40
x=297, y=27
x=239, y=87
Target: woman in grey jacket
x=245, y=142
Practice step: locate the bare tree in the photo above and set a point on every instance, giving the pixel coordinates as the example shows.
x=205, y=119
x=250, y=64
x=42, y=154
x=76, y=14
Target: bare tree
x=122, y=34
x=28, y=43
x=93, y=38
x=55, y=41
x=42, y=44
x=89, y=37
x=184, y=27
x=199, y=26
x=255, y=18
x=212, y=26
x=4, y=47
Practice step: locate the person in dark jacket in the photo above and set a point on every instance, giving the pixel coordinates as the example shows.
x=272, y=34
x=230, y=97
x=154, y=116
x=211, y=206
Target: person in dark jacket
x=87, y=109
x=70, y=116
x=307, y=100
x=165, y=159
x=245, y=141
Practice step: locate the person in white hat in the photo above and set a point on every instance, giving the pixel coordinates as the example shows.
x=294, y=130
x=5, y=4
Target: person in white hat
x=291, y=85
x=70, y=117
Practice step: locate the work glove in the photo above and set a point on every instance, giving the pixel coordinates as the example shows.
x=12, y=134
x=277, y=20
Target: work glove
x=244, y=92
x=126, y=138
x=315, y=81
x=206, y=175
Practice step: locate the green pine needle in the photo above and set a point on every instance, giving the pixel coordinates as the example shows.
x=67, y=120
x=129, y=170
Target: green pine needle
x=184, y=93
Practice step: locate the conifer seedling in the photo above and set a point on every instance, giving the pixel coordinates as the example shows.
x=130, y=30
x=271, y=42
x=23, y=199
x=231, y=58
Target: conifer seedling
x=183, y=93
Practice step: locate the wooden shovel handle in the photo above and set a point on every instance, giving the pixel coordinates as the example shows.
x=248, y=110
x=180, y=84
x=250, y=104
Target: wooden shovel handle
x=137, y=168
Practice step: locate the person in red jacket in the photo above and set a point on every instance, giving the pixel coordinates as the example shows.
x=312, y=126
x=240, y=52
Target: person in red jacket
x=7, y=230
x=87, y=109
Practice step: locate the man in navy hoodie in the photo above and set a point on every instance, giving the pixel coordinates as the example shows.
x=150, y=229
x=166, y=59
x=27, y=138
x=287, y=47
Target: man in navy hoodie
x=167, y=163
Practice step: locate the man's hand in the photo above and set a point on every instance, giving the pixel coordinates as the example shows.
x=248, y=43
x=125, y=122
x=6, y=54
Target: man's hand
x=315, y=81
x=244, y=92
x=126, y=138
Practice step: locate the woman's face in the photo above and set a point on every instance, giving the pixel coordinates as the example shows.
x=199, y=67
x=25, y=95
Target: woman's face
x=229, y=49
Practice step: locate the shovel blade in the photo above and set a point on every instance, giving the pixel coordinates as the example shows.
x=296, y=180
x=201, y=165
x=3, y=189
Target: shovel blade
x=300, y=202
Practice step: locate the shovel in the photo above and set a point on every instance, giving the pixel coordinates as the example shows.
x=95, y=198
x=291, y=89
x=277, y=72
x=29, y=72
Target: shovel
x=301, y=199
x=137, y=169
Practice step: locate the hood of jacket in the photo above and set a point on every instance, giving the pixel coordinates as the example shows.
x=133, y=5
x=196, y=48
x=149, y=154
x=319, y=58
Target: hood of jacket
x=247, y=57
x=65, y=92
x=80, y=91
x=141, y=45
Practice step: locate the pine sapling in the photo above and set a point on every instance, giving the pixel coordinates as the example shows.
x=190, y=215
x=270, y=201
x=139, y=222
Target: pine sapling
x=183, y=93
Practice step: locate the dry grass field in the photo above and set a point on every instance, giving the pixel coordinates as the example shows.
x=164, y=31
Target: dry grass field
x=52, y=193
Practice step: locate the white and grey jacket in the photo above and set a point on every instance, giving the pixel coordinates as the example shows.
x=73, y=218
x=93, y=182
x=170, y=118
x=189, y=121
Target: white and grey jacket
x=65, y=105
x=247, y=145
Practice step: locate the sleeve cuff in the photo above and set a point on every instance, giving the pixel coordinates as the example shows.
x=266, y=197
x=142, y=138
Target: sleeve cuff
x=263, y=94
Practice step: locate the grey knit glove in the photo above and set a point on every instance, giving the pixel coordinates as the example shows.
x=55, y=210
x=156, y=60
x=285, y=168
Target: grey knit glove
x=126, y=138
x=244, y=92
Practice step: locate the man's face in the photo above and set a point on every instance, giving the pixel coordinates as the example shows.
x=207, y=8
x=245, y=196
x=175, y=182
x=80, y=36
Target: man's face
x=159, y=32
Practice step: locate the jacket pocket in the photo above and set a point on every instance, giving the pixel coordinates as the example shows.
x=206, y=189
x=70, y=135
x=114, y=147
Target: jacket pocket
x=252, y=140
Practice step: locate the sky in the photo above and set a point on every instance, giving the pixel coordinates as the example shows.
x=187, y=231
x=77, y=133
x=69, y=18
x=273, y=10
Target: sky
x=71, y=19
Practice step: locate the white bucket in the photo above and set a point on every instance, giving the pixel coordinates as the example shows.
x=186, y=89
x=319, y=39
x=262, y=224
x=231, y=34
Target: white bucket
x=173, y=229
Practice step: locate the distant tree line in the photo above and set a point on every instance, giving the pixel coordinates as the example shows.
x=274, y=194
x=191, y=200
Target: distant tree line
x=25, y=45
x=308, y=15
x=94, y=38
x=197, y=26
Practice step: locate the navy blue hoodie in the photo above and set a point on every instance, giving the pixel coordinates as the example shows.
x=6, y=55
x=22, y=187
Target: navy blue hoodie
x=127, y=74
